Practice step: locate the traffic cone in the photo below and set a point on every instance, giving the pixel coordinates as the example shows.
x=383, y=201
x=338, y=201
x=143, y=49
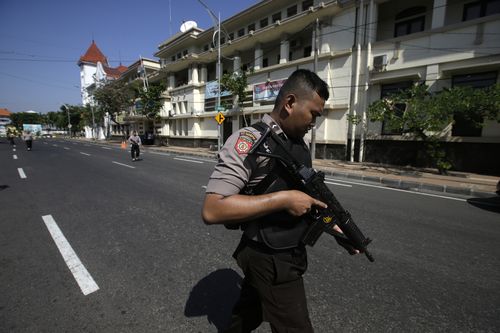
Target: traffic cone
x=124, y=145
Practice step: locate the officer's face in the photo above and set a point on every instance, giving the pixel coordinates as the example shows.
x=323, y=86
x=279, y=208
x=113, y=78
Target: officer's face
x=302, y=113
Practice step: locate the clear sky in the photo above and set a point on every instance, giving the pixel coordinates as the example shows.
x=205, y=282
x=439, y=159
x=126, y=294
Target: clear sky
x=42, y=40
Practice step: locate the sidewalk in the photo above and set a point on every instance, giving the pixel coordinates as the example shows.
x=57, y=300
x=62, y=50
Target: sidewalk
x=408, y=178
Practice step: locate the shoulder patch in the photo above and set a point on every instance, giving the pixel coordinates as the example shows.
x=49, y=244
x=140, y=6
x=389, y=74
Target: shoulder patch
x=245, y=142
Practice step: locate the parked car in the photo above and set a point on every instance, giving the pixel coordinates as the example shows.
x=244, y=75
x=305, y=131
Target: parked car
x=147, y=139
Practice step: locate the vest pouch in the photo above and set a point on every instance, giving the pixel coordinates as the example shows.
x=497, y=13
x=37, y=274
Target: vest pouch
x=283, y=235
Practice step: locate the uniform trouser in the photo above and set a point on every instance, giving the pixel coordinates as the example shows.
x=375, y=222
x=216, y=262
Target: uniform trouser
x=29, y=143
x=272, y=290
x=134, y=151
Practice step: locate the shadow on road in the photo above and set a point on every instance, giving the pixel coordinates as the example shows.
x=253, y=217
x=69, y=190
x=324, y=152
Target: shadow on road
x=492, y=204
x=214, y=297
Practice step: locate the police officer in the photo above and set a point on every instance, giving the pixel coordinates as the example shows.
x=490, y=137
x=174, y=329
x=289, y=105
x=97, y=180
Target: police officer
x=270, y=253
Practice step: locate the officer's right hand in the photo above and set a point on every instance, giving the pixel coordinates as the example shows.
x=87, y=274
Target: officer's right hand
x=300, y=203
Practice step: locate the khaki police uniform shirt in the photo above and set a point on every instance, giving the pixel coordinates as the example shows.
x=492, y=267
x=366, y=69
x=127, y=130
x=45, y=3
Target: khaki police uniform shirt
x=236, y=169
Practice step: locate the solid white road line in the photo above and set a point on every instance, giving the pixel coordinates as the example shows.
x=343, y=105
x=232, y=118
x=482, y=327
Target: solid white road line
x=14, y=149
x=182, y=159
x=84, y=154
x=67, y=148
x=332, y=183
x=164, y=154
x=21, y=173
x=400, y=190
x=14, y=157
x=80, y=273
x=125, y=165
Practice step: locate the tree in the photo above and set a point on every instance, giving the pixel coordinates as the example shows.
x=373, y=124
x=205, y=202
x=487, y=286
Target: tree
x=76, y=115
x=112, y=98
x=151, y=99
x=20, y=118
x=424, y=115
x=236, y=83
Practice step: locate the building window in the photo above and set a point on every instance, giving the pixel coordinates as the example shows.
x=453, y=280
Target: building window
x=206, y=47
x=463, y=126
x=387, y=90
x=409, y=21
x=222, y=39
x=276, y=17
x=251, y=27
x=231, y=36
x=178, y=55
x=480, y=8
x=306, y=4
x=264, y=22
x=265, y=62
x=241, y=32
x=185, y=52
x=173, y=58
x=290, y=11
x=307, y=51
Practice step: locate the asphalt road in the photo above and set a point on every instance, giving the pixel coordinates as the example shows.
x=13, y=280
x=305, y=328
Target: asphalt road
x=135, y=256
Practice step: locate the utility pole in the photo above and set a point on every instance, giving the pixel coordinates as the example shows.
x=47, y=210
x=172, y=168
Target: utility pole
x=315, y=68
x=69, y=122
x=216, y=21
x=219, y=139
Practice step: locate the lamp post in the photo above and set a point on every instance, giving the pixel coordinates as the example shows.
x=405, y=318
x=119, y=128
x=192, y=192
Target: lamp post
x=69, y=122
x=216, y=21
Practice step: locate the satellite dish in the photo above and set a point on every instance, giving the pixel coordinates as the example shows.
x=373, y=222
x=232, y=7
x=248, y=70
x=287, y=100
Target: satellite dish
x=188, y=25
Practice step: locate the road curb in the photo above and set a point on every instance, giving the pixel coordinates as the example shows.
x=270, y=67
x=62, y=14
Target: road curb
x=408, y=185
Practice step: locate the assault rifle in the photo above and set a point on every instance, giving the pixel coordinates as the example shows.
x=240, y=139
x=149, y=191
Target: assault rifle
x=312, y=182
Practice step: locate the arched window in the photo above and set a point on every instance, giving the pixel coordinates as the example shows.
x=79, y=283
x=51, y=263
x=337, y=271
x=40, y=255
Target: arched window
x=409, y=21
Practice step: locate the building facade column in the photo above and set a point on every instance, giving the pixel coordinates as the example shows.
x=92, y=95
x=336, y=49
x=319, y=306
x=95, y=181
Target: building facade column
x=438, y=13
x=194, y=74
x=284, y=49
x=258, y=57
x=203, y=73
x=171, y=81
x=236, y=63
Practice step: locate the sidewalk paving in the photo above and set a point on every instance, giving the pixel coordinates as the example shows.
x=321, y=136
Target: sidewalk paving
x=409, y=178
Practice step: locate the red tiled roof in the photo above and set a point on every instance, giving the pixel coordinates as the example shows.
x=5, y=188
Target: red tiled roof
x=122, y=69
x=93, y=55
x=5, y=113
x=113, y=72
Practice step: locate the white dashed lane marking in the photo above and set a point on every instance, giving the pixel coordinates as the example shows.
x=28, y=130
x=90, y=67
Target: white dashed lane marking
x=80, y=273
x=21, y=173
x=125, y=165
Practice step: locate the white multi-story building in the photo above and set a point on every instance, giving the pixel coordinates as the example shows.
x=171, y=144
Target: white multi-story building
x=364, y=50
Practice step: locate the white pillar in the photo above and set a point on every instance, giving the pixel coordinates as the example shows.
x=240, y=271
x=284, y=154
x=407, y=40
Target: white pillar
x=203, y=73
x=438, y=13
x=236, y=63
x=171, y=81
x=194, y=73
x=284, y=49
x=258, y=57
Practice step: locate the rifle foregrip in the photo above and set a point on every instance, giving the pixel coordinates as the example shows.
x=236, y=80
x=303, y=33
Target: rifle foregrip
x=351, y=231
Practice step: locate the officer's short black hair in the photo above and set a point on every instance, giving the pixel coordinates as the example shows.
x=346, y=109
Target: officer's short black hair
x=302, y=83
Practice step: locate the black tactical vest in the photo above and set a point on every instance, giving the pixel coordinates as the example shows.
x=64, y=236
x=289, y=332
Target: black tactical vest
x=281, y=230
